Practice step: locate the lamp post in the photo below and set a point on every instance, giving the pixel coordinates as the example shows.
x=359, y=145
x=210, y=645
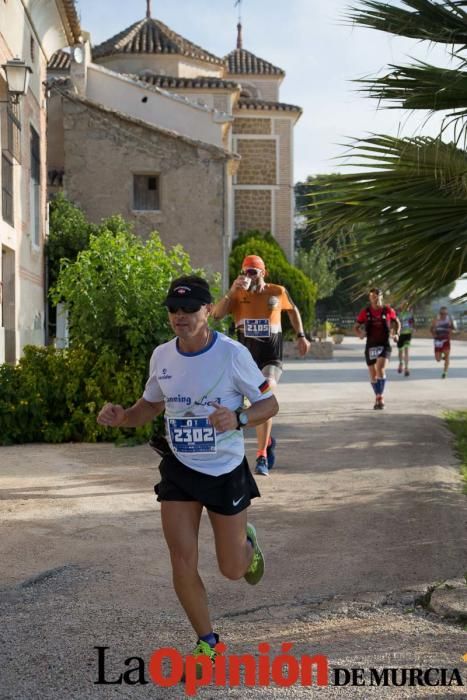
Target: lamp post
x=17, y=77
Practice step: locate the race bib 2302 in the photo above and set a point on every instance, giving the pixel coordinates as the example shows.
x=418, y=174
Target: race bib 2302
x=192, y=435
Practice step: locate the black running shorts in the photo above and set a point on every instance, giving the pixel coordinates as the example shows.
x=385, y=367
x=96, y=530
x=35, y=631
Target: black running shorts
x=265, y=351
x=374, y=352
x=404, y=340
x=227, y=494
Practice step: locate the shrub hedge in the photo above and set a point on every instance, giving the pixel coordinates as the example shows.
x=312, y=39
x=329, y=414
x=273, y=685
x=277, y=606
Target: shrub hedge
x=54, y=396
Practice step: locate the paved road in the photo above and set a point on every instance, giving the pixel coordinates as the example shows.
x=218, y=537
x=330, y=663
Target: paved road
x=363, y=514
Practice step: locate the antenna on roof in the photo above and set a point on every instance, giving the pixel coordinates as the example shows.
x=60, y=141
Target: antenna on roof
x=238, y=3
x=148, y=9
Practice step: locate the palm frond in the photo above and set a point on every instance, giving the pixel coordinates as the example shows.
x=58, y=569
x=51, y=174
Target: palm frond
x=409, y=212
x=444, y=22
x=420, y=86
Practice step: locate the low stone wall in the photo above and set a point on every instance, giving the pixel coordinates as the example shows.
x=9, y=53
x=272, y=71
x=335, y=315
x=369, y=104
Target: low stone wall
x=318, y=350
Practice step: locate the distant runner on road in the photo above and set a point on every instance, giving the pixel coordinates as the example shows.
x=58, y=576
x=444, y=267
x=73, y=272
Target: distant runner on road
x=441, y=330
x=200, y=378
x=377, y=323
x=256, y=306
x=407, y=321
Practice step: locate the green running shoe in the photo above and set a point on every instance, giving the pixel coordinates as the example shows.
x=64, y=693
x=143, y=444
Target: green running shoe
x=255, y=571
x=204, y=649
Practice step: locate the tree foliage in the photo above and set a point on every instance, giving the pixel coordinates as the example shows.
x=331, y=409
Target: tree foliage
x=319, y=264
x=69, y=233
x=115, y=289
x=324, y=259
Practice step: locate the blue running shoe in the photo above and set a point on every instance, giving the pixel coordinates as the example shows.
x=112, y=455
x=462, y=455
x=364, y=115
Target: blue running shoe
x=271, y=454
x=262, y=467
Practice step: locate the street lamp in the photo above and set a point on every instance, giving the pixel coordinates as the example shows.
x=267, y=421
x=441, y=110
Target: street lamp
x=17, y=78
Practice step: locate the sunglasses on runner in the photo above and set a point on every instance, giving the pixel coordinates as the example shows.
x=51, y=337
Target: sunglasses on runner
x=251, y=272
x=185, y=309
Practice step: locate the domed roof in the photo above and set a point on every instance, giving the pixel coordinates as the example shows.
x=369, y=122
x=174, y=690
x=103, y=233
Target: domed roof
x=242, y=62
x=150, y=36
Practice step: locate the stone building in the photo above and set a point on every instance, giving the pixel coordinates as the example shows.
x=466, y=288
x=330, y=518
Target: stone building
x=30, y=34
x=152, y=126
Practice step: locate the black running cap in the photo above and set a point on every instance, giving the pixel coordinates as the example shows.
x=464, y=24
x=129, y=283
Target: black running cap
x=190, y=291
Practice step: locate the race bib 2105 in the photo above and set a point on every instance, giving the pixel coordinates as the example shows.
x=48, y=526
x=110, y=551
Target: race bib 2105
x=257, y=328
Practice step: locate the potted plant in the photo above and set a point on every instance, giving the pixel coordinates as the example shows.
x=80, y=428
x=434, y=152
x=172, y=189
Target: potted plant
x=338, y=335
x=325, y=330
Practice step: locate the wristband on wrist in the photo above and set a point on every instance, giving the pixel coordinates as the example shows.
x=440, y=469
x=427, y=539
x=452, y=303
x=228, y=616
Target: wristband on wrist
x=301, y=334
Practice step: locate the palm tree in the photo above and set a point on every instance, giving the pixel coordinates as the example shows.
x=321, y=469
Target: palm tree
x=409, y=197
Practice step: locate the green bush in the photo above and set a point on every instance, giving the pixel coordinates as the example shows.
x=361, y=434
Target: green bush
x=55, y=395
x=254, y=234
x=114, y=292
x=302, y=290
x=115, y=289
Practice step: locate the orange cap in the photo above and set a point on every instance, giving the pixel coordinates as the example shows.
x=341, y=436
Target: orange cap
x=253, y=261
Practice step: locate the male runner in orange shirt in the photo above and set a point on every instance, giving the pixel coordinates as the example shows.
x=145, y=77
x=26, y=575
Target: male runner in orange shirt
x=256, y=306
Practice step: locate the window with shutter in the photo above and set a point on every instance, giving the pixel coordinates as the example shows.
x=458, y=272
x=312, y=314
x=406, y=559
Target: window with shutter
x=146, y=192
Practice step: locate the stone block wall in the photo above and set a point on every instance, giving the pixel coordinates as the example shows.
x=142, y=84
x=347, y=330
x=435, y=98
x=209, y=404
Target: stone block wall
x=253, y=210
x=252, y=126
x=258, y=162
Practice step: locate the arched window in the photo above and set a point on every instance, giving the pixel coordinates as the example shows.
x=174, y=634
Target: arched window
x=250, y=91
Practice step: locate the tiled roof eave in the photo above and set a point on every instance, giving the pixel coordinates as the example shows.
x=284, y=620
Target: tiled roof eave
x=60, y=61
x=263, y=105
x=167, y=82
x=117, y=52
x=257, y=76
x=187, y=54
x=74, y=27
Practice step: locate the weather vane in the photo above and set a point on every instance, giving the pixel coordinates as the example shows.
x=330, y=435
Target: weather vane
x=238, y=3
